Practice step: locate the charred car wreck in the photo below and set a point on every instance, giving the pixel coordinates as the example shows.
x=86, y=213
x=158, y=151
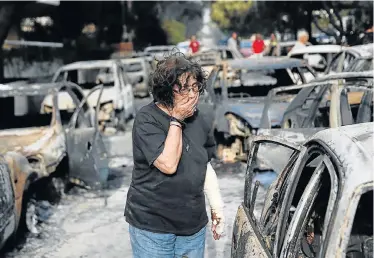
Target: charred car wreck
x=321, y=204
x=44, y=148
x=328, y=102
x=238, y=90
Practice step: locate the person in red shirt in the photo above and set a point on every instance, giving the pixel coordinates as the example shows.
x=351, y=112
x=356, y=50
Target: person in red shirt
x=258, y=45
x=194, y=45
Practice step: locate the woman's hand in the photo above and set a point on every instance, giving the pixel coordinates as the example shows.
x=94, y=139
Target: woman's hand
x=185, y=108
x=218, y=224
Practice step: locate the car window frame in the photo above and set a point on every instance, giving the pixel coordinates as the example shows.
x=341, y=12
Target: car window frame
x=254, y=144
x=294, y=178
x=301, y=216
x=346, y=107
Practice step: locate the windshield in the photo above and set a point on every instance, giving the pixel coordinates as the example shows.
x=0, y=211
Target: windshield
x=88, y=78
x=134, y=67
x=245, y=83
x=23, y=112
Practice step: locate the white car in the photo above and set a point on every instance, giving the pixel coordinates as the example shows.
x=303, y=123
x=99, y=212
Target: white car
x=117, y=100
x=138, y=70
x=319, y=57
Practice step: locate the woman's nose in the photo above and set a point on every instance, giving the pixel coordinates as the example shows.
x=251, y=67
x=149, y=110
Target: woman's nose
x=191, y=93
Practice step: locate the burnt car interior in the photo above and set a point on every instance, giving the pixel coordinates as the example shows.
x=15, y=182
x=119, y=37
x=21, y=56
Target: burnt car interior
x=356, y=106
x=25, y=111
x=89, y=78
x=244, y=83
x=31, y=118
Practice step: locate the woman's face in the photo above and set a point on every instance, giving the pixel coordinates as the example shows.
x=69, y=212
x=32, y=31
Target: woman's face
x=189, y=90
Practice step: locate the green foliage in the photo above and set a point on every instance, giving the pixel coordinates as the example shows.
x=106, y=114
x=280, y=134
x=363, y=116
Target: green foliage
x=175, y=31
x=227, y=13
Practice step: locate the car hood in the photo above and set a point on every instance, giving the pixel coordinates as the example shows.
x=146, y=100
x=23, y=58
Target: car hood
x=26, y=140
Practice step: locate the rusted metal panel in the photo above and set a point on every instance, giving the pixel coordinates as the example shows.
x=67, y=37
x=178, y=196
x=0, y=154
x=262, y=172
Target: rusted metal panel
x=246, y=240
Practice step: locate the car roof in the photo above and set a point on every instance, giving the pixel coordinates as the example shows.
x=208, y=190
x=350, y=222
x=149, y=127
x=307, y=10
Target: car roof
x=132, y=60
x=265, y=63
x=353, y=147
x=345, y=75
x=89, y=64
x=317, y=49
x=363, y=50
x=34, y=89
x=161, y=47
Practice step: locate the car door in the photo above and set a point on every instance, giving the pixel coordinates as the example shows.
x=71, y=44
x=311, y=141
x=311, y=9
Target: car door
x=307, y=229
x=126, y=91
x=299, y=113
x=251, y=235
x=88, y=162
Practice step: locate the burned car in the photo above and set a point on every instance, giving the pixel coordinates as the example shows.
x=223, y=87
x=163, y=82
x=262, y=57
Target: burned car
x=331, y=101
x=348, y=56
x=16, y=175
x=117, y=101
x=321, y=204
x=60, y=146
x=207, y=60
x=237, y=90
x=138, y=69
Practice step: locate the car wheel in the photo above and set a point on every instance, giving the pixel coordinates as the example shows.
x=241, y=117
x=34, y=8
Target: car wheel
x=31, y=217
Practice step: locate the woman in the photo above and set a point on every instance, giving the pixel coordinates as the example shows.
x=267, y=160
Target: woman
x=273, y=48
x=172, y=145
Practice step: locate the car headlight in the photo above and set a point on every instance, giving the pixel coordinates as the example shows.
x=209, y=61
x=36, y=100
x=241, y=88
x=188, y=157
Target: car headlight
x=107, y=107
x=47, y=109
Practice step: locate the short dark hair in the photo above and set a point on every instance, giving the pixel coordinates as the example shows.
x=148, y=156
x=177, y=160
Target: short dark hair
x=167, y=74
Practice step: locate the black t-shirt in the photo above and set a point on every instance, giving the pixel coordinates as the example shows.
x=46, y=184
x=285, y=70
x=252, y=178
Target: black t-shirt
x=163, y=203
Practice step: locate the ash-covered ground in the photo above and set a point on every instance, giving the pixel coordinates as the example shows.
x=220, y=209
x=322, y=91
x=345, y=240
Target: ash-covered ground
x=91, y=224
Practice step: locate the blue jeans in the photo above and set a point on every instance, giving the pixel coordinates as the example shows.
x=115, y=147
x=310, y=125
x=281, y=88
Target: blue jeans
x=147, y=244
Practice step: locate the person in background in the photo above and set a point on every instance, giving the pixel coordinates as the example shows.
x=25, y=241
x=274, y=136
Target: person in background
x=302, y=40
x=232, y=43
x=273, y=48
x=258, y=46
x=194, y=45
x=173, y=143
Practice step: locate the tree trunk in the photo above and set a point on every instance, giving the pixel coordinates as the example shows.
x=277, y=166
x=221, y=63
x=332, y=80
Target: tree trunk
x=6, y=17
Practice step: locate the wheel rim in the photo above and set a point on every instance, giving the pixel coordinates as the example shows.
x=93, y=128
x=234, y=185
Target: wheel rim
x=31, y=217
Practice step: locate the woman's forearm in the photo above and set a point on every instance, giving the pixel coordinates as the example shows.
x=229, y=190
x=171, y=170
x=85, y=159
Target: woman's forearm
x=168, y=160
x=213, y=193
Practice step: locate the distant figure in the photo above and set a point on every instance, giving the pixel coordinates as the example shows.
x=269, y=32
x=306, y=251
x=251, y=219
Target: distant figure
x=194, y=45
x=273, y=48
x=258, y=46
x=302, y=40
x=232, y=43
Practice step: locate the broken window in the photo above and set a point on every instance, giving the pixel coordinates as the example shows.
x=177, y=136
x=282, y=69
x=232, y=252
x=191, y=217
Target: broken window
x=356, y=105
x=361, y=237
x=322, y=114
x=23, y=112
x=249, y=83
x=296, y=187
x=311, y=209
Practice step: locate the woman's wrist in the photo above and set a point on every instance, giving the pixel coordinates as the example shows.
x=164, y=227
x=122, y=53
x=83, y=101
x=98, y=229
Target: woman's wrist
x=175, y=123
